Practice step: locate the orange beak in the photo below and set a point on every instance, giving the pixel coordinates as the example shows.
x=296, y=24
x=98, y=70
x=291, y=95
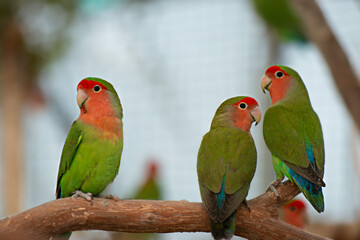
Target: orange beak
x=81, y=97
x=265, y=83
x=256, y=115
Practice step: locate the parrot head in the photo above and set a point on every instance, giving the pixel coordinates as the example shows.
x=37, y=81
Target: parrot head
x=294, y=212
x=97, y=96
x=152, y=169
x=279, y=81
x=239, y=112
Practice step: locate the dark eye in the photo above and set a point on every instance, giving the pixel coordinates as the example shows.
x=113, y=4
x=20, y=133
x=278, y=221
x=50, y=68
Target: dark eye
x=292, y=208
x=242, y=105
x=97, y=88
x=279, y=74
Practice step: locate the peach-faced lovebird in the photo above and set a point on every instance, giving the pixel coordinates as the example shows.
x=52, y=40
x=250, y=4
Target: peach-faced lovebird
x=91, y=155
x=150, y=188
x=294, y=213
x=293, y=134
x=226, y=163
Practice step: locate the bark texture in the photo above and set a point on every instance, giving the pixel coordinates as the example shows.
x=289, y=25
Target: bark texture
x=146, y=216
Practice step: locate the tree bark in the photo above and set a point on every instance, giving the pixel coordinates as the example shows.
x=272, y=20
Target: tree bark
x=319, y=32
x=147, y=216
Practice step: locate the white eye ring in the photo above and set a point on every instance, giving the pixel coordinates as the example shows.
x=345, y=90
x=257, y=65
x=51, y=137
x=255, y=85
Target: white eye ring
x=279, y=74
x=242, y=106
x=97, y=88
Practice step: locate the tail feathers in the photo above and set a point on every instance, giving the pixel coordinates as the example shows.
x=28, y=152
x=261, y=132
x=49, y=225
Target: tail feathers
x=311, y=191
x=225, y=229
x=315, y=197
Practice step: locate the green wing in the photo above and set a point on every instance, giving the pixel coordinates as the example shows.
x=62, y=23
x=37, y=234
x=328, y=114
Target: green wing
x=288, y=134
x=72, y=143
x=225, y=152
x=313, y=128
x=211, y=163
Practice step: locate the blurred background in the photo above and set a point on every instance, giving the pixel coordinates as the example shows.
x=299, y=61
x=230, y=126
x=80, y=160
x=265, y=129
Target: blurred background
x=172, y=64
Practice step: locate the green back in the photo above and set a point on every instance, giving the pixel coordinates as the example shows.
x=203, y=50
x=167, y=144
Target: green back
x=291, y=126
x=227, y=150
x=226, y=155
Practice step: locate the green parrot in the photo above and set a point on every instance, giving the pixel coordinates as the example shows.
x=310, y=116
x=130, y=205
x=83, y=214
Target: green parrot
x=91, y=155
x=293, y=134
x=226, y=163
x=150, y=189
x=279, y=15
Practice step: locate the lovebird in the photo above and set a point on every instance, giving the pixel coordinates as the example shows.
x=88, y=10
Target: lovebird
x=226, y=163
x=150, y=189
x=91, y=155
x=294, y=213
x=280, y=16
x=292, y=132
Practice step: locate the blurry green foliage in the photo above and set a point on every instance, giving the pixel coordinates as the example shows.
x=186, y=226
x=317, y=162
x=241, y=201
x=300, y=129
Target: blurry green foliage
x=40, y=29
x=280, y=16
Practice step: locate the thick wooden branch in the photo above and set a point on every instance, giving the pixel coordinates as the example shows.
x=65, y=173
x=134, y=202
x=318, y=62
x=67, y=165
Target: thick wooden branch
x=144, y=216
x=321, y=34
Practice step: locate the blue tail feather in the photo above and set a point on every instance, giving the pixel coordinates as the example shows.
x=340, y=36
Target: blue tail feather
x=221, y=195
x=310, y=154
x=225, y=229
x=311, y=191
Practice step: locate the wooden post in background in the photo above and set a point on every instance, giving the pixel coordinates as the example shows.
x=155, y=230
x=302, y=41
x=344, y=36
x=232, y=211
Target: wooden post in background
x=11, y=100
x=320, y=33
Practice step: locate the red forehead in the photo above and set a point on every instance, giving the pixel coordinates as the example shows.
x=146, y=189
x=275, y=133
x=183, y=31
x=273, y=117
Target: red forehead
x=89, y=84
x=296, y=203
x=152, y=167
x=274, y=69
x=249, y=101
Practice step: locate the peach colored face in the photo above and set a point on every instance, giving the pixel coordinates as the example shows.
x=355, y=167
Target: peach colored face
x=246, y=112
x=277, y=82
x=87, y=88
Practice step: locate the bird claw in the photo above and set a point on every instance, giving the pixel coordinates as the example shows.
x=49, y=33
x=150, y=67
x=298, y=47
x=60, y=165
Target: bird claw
x=246, y=203
x=112, y=197
x=274, y=190
x=87, y=196
x=273, y=187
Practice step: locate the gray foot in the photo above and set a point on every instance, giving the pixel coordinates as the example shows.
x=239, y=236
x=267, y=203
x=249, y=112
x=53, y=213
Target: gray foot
x=245, y=202
x=88, y=196
x=273, y=187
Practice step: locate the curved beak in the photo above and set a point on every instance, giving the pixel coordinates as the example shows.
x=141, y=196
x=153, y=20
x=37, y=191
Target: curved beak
x=81, y=97
x=256, y=115
x=265, y=83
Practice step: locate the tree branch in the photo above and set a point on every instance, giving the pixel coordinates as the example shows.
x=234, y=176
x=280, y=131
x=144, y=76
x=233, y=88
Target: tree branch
x=145, y=216
x=321, y=34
